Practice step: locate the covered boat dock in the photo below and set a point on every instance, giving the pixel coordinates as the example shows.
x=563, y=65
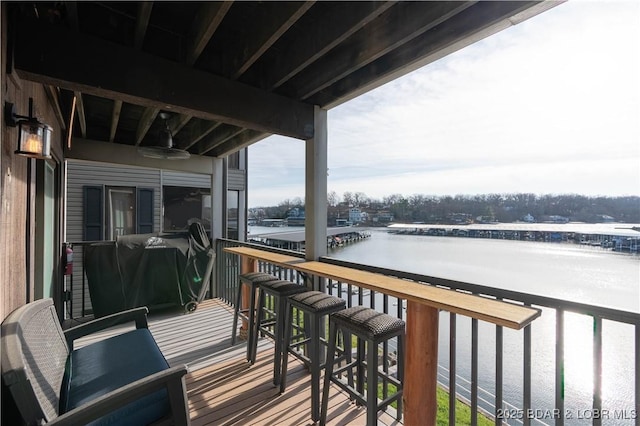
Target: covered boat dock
x=295, y=240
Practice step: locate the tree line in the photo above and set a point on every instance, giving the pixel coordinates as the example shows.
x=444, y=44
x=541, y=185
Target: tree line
x=490, y=207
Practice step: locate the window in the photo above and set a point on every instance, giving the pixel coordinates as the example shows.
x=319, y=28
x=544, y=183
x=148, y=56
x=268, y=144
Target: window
x=233, y=199
x=233, y=161
x=121, y=215
x=111, y=211
x=185, y=205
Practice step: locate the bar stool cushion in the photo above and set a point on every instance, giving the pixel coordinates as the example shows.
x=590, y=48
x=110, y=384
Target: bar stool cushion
x=282, y=287
x=317, y=302
x=257, y=277
x=368, y=322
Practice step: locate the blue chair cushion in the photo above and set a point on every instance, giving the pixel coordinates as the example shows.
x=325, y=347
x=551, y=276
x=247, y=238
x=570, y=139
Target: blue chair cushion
x=107, y=365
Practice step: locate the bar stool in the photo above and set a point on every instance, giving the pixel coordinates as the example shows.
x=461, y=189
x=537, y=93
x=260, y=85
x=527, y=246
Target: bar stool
x=372, y=327
x=316, y=306
x=279, y=290
x=252, y=280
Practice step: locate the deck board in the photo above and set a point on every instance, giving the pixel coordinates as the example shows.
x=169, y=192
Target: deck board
x=222, y=388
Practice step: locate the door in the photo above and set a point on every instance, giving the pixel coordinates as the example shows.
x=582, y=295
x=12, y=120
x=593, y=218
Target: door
x=121, y=213
x=46, y=231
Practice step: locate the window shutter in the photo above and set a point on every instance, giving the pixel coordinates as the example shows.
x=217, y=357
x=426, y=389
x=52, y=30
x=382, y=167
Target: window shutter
x=93, y=213
x=144, y=210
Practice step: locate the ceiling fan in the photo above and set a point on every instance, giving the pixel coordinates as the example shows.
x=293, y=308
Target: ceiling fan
x=164, y=149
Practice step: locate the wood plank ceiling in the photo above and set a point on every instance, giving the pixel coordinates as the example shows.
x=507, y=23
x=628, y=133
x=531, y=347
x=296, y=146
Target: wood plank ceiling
x=231, y=73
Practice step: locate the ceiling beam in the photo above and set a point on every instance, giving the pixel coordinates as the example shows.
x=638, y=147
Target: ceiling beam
x=145, y=123
x=202, y=129
x=72, y=14
x=346, y=19
x=54, y=99
x=244, y=139
x=281, y=18
x=115, y=117
x=221, y=135
x=144, y=14
x=398, y=25
x=471, y=25
x=53, y=55
x=177, y=122
x=203, y=27
x=81, y=117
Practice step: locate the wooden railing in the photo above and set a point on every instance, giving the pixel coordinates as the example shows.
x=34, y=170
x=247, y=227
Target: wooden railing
x=504, y=410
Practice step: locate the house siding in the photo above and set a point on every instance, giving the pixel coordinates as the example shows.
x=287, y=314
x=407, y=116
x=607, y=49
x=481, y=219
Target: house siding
x=85, y=173
x=194, y=180
x=236, y=180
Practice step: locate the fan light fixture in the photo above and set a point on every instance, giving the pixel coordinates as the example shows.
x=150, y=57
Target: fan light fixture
x=164, y=149
x=34, y=137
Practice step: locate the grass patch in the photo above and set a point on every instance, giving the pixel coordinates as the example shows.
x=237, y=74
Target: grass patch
x=463, y=411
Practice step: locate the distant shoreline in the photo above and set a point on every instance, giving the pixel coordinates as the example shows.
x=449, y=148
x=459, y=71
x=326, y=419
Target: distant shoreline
x=616, y=236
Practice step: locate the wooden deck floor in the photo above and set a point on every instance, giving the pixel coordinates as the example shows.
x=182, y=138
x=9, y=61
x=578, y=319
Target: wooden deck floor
x=223, y=389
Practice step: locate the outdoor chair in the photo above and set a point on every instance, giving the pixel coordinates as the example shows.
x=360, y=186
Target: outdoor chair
x=121, y=379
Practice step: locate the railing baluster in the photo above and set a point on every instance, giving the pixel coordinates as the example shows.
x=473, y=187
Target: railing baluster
x=560, y=367
x=597, y=369
x=637, y=372
x=474, y=372
x=84, y=262
x=526, y=398
x=452, y=368
x=499, y=373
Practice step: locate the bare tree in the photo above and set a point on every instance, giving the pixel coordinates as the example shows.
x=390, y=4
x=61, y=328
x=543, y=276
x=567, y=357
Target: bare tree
x=332, y=198
x=360, y=198
x=348, y=198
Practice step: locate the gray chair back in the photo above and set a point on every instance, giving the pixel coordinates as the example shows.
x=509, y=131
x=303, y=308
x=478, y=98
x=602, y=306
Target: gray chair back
x=34, y=354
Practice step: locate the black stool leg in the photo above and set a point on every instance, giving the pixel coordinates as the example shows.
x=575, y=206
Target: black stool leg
x=314, y=356
x=360, y=366
x=256, y=327
x=251, y=336
x=328, y=372
x=346, y=342
x=372, y=383
x=235, y=315
x=400, y=370
x=288, y=317
x=278, y=335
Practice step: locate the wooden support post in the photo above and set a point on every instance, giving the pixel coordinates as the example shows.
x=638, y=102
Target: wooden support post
x=421, y=364
x=247, y=265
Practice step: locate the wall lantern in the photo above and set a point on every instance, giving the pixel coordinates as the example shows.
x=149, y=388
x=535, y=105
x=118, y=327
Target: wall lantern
x=34, y=137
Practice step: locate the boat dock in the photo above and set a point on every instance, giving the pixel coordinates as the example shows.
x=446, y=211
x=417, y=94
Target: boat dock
x=294, y=240
x=615, y=236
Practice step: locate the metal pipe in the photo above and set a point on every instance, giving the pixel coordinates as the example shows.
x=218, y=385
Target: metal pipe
x=474, y=371
x=559, y=387
x=597, y=370
x=499, y=375
x=526, y=397
x=452, y=368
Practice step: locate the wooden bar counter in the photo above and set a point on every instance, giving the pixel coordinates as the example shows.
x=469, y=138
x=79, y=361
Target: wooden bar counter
x=423, y=305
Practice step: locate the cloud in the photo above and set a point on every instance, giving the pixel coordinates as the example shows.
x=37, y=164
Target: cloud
x=548, y=106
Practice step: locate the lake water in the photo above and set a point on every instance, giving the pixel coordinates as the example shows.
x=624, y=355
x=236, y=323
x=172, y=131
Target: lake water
x=578, y=273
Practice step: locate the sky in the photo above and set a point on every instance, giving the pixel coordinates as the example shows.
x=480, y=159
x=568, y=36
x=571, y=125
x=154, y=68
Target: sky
x=549, y=106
